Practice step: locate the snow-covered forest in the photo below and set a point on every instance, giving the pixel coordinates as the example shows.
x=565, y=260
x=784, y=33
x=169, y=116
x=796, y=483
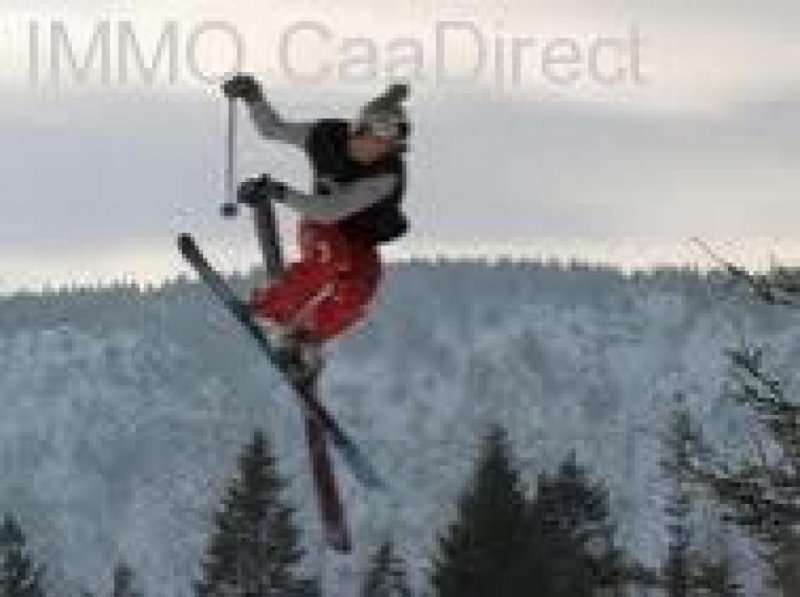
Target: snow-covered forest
x=124, y=409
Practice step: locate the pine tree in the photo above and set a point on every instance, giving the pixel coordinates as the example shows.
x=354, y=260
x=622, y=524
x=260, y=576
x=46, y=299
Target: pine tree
x=686, y=571
x=716, y=579
x=19, y=576
x=678, y=568
x=124, y=585
x=762, y=493
x=386, y=576
x=779, y=286
x=786, y=565
x=572, y=541
x=254, y=550
x=484, y=552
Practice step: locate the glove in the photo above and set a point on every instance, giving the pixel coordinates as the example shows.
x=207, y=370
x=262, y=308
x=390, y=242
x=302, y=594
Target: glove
x=244, y=87
x=262, y=188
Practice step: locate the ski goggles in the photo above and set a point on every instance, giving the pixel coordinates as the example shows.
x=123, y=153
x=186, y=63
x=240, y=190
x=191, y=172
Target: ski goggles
x=385, y=129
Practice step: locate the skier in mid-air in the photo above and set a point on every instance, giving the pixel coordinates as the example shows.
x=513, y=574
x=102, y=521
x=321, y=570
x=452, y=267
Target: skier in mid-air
x=359, y=183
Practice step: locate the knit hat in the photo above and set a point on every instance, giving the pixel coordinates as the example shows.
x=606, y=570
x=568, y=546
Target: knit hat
x=385, y=115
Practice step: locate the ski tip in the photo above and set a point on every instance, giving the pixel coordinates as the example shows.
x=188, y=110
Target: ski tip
x=185, y=241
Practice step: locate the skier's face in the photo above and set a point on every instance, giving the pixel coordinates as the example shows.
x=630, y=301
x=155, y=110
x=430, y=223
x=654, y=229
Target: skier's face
x=366, y=149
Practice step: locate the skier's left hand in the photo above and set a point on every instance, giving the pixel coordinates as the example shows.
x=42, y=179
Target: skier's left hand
x=261, y=188
x=243, y=86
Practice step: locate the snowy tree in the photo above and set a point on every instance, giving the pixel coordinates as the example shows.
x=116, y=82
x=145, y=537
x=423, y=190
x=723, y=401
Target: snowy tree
x=386, y=576
x=779, y=286
x=678, y=567
x=19, y=575
x=761, y=493
x=573, y=537
x=716, y=578
x=254, y=550
x=485, y=551
x=687, y=571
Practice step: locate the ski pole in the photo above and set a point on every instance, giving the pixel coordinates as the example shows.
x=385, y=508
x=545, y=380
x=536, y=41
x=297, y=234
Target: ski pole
x=230, y=208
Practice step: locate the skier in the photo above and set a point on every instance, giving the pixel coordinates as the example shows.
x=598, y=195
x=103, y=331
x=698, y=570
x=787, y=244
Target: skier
x=359, y=182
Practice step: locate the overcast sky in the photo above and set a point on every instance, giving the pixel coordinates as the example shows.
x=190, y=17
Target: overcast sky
x=99, y=177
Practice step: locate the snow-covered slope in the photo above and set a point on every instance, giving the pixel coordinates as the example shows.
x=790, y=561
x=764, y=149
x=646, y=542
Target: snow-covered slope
x=123, y=411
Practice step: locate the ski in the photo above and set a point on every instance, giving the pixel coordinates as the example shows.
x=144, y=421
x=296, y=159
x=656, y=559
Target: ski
x=361, y=467
x=329, y=501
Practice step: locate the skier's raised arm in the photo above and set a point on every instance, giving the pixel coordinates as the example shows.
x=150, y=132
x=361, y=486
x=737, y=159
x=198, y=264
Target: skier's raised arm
x=265, y=118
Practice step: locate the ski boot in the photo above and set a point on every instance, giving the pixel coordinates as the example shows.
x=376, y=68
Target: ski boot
x=296, y=352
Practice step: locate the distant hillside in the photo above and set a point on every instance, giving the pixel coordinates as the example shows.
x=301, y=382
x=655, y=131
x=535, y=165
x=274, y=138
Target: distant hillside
x=123, y=410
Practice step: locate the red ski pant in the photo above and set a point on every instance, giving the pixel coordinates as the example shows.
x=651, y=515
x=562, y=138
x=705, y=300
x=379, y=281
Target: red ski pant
x=328, y=290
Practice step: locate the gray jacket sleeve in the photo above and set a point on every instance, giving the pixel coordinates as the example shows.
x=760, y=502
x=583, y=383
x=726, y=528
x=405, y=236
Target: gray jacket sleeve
x=343, y=200
x=271, y=126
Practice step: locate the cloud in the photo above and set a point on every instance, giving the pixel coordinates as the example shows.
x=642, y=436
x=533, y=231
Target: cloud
x=97, y=171
x=708, y=146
